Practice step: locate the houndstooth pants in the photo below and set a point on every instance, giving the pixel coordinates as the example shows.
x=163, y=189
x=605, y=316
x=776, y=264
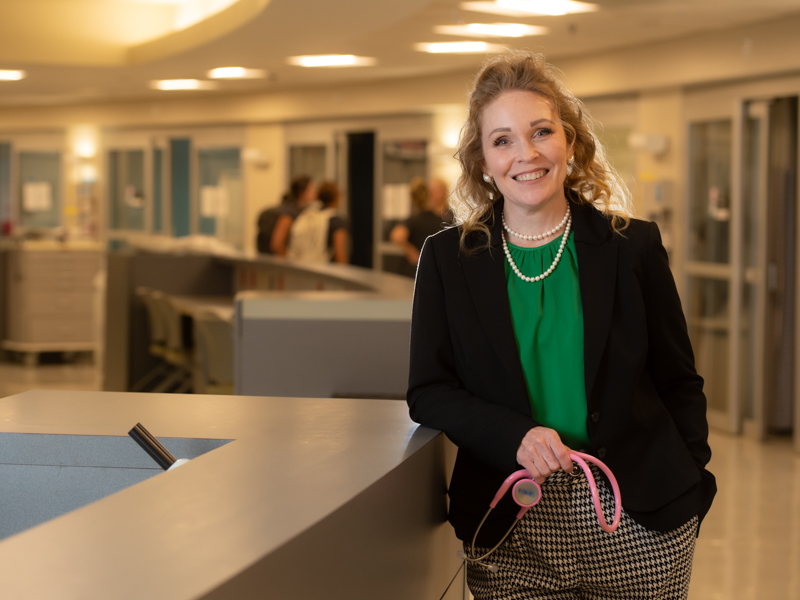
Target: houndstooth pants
x=559, y=552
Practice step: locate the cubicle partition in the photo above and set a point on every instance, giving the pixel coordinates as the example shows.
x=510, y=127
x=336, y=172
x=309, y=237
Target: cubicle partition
x=301, y=329
x=322, y=344
x=297, y=498
x=126, y=358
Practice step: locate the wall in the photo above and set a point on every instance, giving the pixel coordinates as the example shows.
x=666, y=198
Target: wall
x=661, y=114
x=264, y=168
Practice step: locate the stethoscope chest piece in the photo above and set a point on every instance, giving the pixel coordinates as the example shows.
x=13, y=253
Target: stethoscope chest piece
x=526, y=493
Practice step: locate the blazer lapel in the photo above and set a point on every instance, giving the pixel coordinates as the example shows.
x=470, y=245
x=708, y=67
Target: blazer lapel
x=597, y=271
x=485, y=275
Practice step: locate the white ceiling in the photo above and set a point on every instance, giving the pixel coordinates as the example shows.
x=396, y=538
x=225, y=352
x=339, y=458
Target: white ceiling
x=72, y=52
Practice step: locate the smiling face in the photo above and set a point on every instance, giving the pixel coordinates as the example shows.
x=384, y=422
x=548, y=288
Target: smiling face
x=525, y=151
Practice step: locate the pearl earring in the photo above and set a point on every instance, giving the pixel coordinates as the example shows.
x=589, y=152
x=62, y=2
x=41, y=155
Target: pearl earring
x=487, y=178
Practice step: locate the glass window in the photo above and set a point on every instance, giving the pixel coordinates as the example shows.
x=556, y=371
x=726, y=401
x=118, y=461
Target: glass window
x=221, y=196
x=158, y=190
x=40, y=189
x=307, y=160
x=5, y=184
x=709, y=331
x=180, y=178
x=126, y=190
x=403, y=161
x=710, y=154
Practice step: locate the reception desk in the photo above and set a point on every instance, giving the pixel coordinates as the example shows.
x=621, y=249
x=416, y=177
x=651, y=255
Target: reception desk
x=296, y=499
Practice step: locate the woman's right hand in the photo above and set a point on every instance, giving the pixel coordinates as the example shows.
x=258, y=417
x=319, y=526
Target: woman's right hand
x=542, y=453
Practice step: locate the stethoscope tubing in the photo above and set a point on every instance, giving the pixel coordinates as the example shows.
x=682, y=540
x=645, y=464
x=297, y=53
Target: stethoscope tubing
x=580, y=458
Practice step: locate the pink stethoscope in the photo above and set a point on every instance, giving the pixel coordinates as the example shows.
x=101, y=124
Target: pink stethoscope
x=527, y=493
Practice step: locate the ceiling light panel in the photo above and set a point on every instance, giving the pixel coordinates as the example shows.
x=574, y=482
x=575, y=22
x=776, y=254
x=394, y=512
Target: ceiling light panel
x=492, y=30
x=331, y=60
x=460, y=48
x=182, y=84
x=522, y=8
x=11, y=75
x=236, y=73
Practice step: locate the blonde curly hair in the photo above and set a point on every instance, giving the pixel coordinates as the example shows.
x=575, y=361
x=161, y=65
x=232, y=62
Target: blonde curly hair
x=591, y=177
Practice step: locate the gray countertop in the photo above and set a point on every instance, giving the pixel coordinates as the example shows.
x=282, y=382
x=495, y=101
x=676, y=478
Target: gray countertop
x=292, y=464
x=357, y=278
x=352, y=277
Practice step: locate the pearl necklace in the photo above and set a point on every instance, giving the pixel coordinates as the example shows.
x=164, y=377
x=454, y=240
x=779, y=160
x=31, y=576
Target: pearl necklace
x=555, y=260
x=535, y=237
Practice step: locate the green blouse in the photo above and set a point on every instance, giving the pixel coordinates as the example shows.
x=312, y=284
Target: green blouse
x=548, y=325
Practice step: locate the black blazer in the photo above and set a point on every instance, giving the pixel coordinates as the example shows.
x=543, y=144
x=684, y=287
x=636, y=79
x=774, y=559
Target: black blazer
x=646, y=407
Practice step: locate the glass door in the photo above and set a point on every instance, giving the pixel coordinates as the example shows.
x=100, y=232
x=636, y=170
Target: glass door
x=127, y=191
x=749, y=369
x=741, y=263
x=780, y=265
x=710, y=301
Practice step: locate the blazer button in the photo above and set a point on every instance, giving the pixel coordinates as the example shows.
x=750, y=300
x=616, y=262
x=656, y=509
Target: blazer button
x=595, y=416
x=601, y=453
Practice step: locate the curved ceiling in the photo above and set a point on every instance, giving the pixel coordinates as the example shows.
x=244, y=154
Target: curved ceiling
x=82, y=50
x=114, y=32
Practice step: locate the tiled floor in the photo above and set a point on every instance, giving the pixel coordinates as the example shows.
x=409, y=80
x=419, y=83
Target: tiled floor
x=77, y=375
x=749, y=545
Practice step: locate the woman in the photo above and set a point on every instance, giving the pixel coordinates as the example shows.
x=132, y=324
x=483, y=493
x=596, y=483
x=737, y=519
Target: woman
x=432, y=216
x=319, y=234
x=302, y=192
x=588, y=352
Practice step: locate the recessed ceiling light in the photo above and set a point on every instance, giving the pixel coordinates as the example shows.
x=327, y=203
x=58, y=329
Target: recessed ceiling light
x=182, y=84
x=521, y=8
x=11, y=75
x=236, y=73
x=331, y=60
x=491, y=30
x=459, y=48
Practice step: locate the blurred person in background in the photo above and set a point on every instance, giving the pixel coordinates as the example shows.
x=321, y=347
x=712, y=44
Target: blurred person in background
x=275, y=222
x=319, y=234
x=432, y=216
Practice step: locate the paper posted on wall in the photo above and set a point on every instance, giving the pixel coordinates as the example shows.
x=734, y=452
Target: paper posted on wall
x=396, y=201
x=214, y=201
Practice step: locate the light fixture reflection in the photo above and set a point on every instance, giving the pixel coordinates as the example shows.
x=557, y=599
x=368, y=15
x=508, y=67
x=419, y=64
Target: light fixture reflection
x=459, y=48
x=182, y=84
x=85, y=148
x=491, y=30
x=236, y=73
x=11, y=75
x=331, y=60
x=521, y=8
